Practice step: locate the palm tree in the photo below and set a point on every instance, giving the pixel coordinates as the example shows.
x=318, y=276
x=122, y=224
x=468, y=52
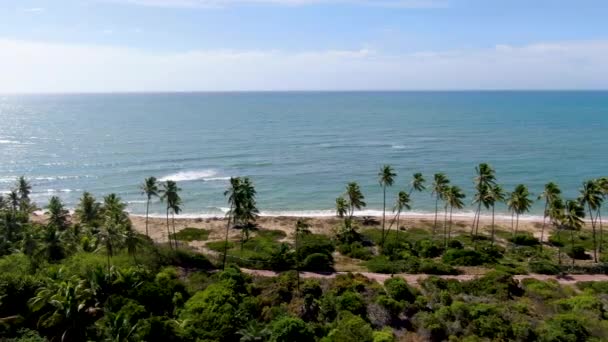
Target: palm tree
x=132, y=241
x=550, y=194
x=150, y=189
x=440, y=183
x=417, y=183
x=519, y=202
x=248, y=212
x=58, y=215
x=454, y=198
x=302, y=227
x=171, y=198
x=24, y=189
x=13, y=199
x=232, y=193
x=603, y=184
x=386, y=177
x=175, y=210
x=494, y=194
x=88, y=210
x=112, y=237
x=556, y=215
x=403, y=202
x=341, y=207
x=355, y=198
x=591, y=196
x=573, y=218
x=484, y=181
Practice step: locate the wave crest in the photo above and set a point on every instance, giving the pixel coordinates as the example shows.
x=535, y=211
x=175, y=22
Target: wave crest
x=206, y=175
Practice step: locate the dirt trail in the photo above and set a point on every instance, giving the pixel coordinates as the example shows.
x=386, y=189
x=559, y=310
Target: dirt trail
x=413, y=279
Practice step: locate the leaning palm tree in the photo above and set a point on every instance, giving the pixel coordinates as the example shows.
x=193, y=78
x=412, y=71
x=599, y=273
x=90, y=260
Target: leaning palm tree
x=176, y=202
x=170, y=197
x=403, y=202
x=556, y=215
x=454, y=199
x=440, y=184
x=150, y=189
x=550, y=194
x=574, y=212
x=484, y=181
x=603, y=184
x=519, y=202
x=355, y=198
x=386, y=178
x=417, y=183
x=591, y=196
x=494, y=194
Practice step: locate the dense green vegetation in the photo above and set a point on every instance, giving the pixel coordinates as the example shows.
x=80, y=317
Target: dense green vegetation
x=91, y=276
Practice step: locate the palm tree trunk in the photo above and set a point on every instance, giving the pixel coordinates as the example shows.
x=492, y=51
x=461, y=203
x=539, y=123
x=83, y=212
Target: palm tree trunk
x=542, y=230
x=398, y=214
x=450, y=227
x=168, y=231
x=474, y=220
x=517, y=223
x=492, y=224
x=572, y=244
x=383, y=214
x=173, y=223
x=297, y=263
x=109, y=263
x=599, y=217
x=593, y=228
x=147, y=210
x=559, y=249
x=436, y=210
x=226, y=241
x=445, y=223
x=512, y=222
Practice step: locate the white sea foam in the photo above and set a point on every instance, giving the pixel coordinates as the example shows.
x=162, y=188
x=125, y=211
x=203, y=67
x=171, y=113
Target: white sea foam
x=207, y=175
x=7, y=142
x=398, y=147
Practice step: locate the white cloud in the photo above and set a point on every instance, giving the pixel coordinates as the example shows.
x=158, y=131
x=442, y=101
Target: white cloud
x=33, y=9
x=226, y=3
x=44, y=67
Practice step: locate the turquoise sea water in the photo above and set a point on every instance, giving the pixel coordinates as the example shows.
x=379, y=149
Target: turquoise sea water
x=300, y=149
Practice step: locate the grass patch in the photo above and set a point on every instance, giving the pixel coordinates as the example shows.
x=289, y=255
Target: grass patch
x=191, y=234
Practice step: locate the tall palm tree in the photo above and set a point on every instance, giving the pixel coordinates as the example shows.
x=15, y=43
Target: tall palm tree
x=132, y=241
x=495, y=194
x=556, y=215
x=386, y=177
x=175, y=210
x=484, y=180
x=231, y=193
x=403, y=202
x=248, y=207
x=24, y=189
x=417, y=183
x=58, y=215
x=302, y=228
x=591, y=196
x=341, y=207
x=13, y=199
x=603, y=184
x=172, y=200
x=519, y=202
x=440, y=183
x=150, y=189
x=355, y=198
x=574, y=212
x=88, y=210
x=550, y=194
x=454, y=198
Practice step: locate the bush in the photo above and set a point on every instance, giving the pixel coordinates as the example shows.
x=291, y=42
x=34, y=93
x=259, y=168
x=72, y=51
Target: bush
x=543, y=267
x=496, y=284
x=382, y=264
x=318, y=262
x=351, y=302
x=384, y=335
x=355, y=250
x=399, y=290
x=289, y=329
x=564, y=328
x=191, y=234
x=183, y=258
x=350, y=328
x=577, y=252
x=314, y=243
x=524, y=239
x=455, y=244
x=433, y=267
x=463, y=257
x=428, y=249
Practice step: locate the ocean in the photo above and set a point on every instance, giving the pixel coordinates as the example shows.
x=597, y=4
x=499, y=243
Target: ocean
x=299, y=148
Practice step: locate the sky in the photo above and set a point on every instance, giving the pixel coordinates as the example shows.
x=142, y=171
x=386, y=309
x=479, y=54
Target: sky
x=243, y=45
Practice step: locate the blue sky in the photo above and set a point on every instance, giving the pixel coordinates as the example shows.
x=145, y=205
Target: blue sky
x=145, y=45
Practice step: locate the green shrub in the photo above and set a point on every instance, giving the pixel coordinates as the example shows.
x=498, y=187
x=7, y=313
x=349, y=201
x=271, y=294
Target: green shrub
x=314, y=243
x=350, y=328
x=556, y=240
x=496, y=284
x=318, y=262
x=463, y=257
x=542, y=290
x=384, y=335
x=290, y=329
x=382, y=264
x=399, y=290
x=191, y=234
x=564, y=328
x=351, y=302
x=543, y=267
x=577, y=252
x=524, y=239
x=595, y=286
x=427, y=248
x=219, y=246
x=355, y=250
x=433, y=267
